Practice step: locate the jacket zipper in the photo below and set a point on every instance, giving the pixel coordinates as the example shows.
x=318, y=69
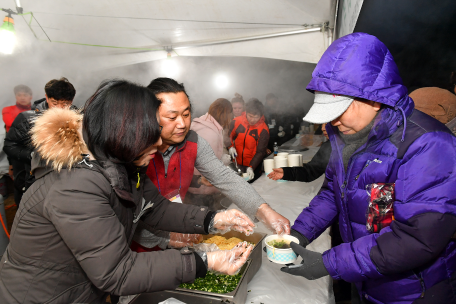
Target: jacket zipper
x=365, y=166
x=243, y=148
x=346, y=174
x=420, y=277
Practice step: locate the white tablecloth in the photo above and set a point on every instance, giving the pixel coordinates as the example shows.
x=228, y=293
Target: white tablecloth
x=270, y=285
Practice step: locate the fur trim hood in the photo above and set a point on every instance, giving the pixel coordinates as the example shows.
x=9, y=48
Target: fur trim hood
x=57, y=137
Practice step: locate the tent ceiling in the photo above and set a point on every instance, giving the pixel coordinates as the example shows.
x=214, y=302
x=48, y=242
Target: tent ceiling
x=156, y=24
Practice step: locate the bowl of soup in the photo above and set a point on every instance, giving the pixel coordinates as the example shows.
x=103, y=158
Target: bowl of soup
x=279, y=250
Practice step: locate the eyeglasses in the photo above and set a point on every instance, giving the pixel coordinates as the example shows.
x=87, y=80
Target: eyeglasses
x=161, y=128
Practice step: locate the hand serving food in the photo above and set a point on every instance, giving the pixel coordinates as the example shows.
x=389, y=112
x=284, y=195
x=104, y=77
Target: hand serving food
x=226, y=220
x=229, y=261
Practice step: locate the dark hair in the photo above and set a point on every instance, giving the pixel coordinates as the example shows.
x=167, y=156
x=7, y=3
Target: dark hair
x=255, y=107
x=22, y=89
x=120, y=121
x=60, y=89
x=237, y=98
x=166, y=85
x=270, y=96
x=221, y=110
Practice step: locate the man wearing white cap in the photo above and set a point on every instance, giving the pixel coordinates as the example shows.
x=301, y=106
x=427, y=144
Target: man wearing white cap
x=389, y=182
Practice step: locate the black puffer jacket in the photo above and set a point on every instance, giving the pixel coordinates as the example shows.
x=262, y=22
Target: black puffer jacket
x=70, y=238
x=17, y=141
x=18, y=144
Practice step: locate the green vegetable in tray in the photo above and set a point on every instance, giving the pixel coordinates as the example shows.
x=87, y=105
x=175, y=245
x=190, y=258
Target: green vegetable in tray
x=218, y=283
x=279, y=244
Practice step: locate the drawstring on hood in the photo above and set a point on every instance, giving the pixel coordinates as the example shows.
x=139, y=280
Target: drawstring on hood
x=399, y=122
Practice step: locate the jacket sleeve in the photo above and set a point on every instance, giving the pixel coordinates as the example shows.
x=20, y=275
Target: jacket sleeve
x=425, y=217
x=232, y=133
x=170, y=216
x=321, y=213
x=313, y=169
x=231, y=185
x=17, y=141
x=79, y=208
x=260, y=150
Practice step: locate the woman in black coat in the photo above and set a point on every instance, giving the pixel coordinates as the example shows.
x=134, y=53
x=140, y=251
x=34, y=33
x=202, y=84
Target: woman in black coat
x=71, y=235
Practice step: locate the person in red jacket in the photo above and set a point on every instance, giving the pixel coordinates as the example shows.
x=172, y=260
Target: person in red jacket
x=249, y=137
x=23, y=103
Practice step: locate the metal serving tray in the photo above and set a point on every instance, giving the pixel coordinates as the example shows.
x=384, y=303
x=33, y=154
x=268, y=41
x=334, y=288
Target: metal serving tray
x=237, y=296
x=256, y=255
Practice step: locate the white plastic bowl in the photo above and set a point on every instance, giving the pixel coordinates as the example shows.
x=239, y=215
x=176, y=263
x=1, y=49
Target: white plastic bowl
x=281, y=256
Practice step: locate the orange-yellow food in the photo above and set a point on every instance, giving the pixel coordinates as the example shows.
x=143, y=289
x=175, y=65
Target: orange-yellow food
x=222, y=242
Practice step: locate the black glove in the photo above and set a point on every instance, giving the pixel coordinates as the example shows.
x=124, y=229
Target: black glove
x=303, y=241
x=311, y=267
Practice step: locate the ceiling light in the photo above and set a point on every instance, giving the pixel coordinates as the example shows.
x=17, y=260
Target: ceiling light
x=169, y=68
x=221, y=82
x=7, y=36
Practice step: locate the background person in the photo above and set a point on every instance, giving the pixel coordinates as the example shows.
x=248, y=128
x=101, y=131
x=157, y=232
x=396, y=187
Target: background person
x=309, y=171
x=382, y=149
x=211, y=127
x=435, y=102
x=18, y=145
x=23, y=96
x=70, y=239
x=249, y=137
x=238, y=105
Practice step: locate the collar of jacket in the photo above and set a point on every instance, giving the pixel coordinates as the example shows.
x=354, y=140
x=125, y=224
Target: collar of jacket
x=41, y=105
x=118, y=176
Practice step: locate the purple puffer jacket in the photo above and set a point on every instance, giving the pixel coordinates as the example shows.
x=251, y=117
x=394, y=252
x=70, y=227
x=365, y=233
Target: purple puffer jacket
x=414, y=259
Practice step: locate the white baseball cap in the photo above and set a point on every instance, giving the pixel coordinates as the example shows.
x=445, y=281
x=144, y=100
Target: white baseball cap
x=327, y=107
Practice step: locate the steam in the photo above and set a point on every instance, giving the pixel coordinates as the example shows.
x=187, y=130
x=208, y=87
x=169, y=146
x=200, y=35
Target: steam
x=37, y=62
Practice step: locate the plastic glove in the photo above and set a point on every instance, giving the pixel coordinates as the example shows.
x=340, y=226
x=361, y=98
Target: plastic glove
x=250, y=173
x=232, y=152
x=181, y=240
x=226, y=220
x=226, y=159
x=311, y=267
x=229, y=261
x=276, y=174
x=272, y=220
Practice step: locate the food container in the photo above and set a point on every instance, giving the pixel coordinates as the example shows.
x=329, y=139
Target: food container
x=280, y=256
x=237, y=296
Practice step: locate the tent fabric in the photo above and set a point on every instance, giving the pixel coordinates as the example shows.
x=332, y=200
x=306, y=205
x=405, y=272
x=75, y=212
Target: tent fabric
x=149, y=27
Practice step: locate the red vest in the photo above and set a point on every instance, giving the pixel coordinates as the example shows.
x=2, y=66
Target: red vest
x=244, y=138
x=180, y=167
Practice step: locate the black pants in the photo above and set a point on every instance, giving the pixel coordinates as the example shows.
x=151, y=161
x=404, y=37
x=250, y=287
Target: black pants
x=19, y=173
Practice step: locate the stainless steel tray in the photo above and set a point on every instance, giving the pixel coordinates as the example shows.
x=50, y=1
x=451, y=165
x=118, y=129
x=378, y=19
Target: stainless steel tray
x=256, y=255
x=237, y=296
